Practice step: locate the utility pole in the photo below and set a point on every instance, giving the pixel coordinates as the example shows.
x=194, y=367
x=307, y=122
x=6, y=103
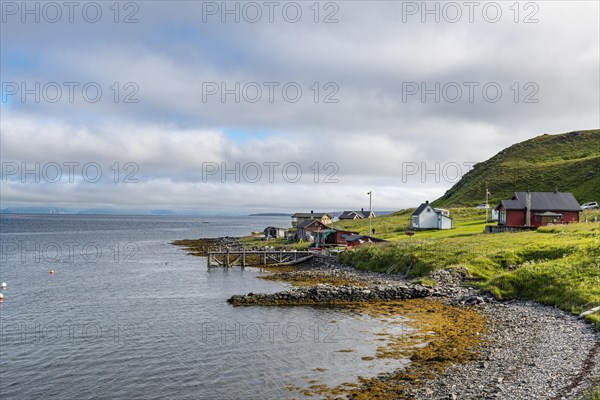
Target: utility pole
x=487, y=193
x=370, y=212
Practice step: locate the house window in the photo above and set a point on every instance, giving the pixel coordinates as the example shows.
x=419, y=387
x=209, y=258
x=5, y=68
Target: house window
x=429, y=210
x=502, y=217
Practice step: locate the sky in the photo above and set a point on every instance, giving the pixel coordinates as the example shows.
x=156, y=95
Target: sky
x=280, y=106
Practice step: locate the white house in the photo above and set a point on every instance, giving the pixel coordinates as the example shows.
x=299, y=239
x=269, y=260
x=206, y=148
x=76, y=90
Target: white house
x=427, y=217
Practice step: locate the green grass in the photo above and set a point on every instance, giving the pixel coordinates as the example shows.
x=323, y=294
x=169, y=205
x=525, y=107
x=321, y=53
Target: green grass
x=556, y=265
x=257, y=241
x=466, y=221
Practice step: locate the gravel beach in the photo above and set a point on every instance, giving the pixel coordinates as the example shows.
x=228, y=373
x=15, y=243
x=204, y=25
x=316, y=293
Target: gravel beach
x=530, y=351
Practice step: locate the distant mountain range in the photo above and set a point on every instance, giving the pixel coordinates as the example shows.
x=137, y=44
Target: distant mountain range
x=270, y=215
x=110, y=211
x=106, y=211
x=569, y=162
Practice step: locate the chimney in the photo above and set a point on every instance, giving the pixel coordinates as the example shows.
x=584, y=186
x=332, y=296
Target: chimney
x=312, y=212
x=426, y=201
x=528, y=209
x=362, y=210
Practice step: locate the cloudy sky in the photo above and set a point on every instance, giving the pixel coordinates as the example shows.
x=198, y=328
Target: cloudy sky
x=280, y=106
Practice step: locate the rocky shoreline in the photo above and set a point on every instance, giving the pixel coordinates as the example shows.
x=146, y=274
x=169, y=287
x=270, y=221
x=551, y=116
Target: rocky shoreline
x=530, y=351
x=327, y=294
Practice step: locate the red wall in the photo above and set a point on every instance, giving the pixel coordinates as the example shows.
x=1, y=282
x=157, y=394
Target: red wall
x=517, y=217
x=570, y=216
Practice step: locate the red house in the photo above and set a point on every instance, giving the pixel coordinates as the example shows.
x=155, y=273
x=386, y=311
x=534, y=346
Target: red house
x=533, y=209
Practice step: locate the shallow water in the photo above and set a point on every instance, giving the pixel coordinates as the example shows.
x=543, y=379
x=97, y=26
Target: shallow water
x=128, y=315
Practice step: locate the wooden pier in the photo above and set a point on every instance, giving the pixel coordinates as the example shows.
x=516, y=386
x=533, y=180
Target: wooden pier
x=256, y=258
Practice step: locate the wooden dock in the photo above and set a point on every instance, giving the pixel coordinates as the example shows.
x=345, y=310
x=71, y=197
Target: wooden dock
x=256, y=258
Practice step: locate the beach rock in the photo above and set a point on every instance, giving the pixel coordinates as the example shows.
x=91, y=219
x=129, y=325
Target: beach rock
x=333, y=294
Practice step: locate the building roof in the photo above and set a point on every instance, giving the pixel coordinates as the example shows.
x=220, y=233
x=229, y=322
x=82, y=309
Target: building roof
x=353, y=238
x=309, y=222
x=310, y=215
x=420, y=209
x=352, y=214
x=423, y=206
x=542, y=201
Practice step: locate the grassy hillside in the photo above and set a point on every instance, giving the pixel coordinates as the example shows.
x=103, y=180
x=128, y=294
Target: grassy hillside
x=569, y=162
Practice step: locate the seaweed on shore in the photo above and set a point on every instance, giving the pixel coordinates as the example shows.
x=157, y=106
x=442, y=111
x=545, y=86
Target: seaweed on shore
x=439, y=335
x=307, y=278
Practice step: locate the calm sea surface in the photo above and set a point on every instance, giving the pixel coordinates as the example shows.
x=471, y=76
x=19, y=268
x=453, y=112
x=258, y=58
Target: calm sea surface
x=127, y=315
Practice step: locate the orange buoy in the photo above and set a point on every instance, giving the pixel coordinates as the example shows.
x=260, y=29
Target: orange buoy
x=51, y=272
x=1, y=297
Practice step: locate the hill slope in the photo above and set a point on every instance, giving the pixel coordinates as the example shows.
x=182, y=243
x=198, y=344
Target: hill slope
x=569, y=162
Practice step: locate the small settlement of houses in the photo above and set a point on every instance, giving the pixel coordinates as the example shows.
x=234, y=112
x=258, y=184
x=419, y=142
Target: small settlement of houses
x=317, y=227
x=525, y=210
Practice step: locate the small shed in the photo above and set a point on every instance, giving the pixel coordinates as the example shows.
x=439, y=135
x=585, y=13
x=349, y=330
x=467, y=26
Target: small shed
x=274, y=232
x=427, y=217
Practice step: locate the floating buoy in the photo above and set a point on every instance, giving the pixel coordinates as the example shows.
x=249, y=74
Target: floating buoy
x=3, y=285
x=51, y=272
x=1, y=297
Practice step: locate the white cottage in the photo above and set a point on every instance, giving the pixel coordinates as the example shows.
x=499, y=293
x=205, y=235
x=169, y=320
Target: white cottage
x=427, y=217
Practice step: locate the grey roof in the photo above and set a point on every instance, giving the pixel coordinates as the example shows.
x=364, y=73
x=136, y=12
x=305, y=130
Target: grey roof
x=543, y=201
x=512, y=204
x=420, y=209
x=352, y=238
x=306, y=223
x=309, y=215
x=351, y=214
x=423, y=206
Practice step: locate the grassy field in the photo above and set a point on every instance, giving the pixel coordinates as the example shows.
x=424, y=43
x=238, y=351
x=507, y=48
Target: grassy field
x=466, y=221
x=557, y=265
